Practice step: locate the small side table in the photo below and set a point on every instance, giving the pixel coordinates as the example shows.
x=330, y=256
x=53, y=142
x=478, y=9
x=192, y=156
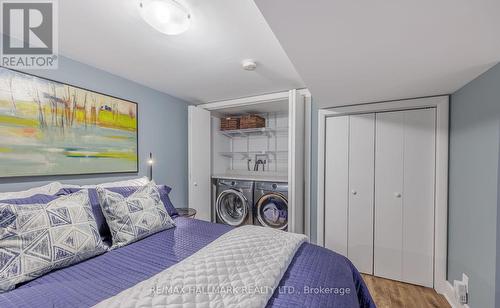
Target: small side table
x=186, y=212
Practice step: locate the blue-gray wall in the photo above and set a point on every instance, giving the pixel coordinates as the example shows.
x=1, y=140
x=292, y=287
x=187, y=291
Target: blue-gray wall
x=162, y=129
x=473, y=186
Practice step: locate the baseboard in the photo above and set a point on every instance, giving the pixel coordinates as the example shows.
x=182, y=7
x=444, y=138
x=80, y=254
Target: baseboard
x=449, y=294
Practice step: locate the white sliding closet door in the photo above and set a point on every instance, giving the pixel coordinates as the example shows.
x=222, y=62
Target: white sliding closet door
x=336, y=183
x=361, y=177
x=404, y=195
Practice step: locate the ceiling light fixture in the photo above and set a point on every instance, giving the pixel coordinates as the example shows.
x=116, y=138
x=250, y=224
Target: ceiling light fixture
x=167, y=16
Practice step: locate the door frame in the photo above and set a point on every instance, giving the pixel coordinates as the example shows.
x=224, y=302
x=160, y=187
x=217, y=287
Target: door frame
x=441, y=103
x=274, y=97
x=252, y=100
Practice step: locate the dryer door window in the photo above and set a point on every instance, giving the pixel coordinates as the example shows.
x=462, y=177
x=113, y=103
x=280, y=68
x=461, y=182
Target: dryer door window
x=232, y=207
x=272, y=211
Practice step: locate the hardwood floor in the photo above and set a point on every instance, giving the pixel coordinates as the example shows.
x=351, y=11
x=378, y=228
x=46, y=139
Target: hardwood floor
x=393, y=294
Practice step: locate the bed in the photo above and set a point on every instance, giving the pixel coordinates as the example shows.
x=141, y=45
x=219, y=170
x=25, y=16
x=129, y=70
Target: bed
x=92, y=281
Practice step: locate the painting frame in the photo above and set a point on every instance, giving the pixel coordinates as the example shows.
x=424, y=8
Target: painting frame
x=70, y=174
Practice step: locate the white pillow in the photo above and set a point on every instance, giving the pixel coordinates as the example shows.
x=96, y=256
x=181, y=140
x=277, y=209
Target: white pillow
x=48, y=189
x=134, y=182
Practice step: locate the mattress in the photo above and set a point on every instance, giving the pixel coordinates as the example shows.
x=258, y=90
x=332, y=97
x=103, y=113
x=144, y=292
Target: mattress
x=317, y=277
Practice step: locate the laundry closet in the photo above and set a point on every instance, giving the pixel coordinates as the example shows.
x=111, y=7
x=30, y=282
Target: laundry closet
x=246, y=156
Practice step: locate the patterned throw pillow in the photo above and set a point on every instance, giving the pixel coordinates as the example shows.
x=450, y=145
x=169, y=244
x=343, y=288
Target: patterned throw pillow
x=134, y=217
x=124, y=191
x=38, y=238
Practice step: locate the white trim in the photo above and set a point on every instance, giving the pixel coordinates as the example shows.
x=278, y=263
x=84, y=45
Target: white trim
x=441, y=103
x=441, y=196
x=307, y=167
x=252, y=100
x=320, y=220
x=304, y=92
x=292, y=203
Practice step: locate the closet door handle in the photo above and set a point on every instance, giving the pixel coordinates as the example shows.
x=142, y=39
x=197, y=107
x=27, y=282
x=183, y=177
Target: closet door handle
x=397, y=195
x=354, y=192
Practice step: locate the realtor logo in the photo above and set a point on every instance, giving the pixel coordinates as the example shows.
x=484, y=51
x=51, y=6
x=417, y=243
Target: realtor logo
x=29, y=36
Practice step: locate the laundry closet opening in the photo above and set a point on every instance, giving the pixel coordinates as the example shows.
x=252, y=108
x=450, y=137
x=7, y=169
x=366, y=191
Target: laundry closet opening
x=255, y=152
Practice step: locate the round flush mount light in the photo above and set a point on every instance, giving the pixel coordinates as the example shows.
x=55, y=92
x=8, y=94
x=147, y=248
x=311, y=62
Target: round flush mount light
x=249, y=65
x=167, y=16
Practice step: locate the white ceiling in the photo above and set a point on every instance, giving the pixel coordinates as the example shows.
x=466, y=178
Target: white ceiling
x=200, y=65
x=350, y=52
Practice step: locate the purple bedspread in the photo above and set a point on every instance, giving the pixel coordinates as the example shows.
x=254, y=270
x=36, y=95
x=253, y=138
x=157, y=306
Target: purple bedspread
x=89, y=282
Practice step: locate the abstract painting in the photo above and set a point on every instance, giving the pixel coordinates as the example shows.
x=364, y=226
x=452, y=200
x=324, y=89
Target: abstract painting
x=51, y=128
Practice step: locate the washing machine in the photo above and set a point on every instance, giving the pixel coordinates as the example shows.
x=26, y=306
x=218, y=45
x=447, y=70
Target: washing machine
x=234, y=202
x=271, y=205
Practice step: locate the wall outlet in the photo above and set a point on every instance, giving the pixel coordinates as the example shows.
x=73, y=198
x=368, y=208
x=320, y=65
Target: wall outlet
x=465, y=280
x=461, y=288
x=460, y=291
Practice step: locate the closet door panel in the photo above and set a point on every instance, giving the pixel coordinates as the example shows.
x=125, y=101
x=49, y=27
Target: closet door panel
x=418, y=198
x=336, y=183
x=388, y=194
x=199, y=161
x=361, y=185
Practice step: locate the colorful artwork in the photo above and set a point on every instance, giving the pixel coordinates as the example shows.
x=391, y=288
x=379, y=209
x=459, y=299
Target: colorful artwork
x=50, y=128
